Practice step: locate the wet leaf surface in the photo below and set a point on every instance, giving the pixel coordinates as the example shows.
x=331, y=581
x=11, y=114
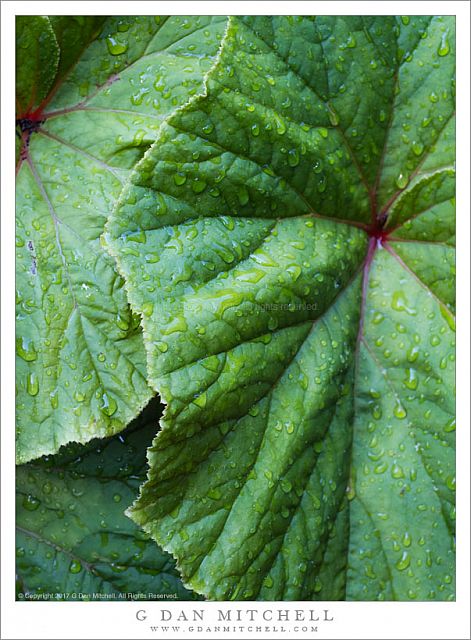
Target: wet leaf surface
x=83, y=120
x=289, y=243
x=72, y=536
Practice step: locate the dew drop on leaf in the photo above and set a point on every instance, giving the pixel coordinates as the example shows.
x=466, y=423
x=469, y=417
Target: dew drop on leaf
x=411, y=380
x=108, y=404
x=179, y=179
x=32, y=384
x=30, y=503
x=25, y=349
x=402, y=181
x=75, y=566
x=403, y=562
x=444, y=48
x=399, y=411
x=147, y=309
x=406, y=539
x=115, y=47
x=333, y=115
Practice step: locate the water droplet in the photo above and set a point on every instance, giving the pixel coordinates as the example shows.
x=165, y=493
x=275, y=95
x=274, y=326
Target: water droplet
x=403, y=562
x=406, y=539
x=399, y=303
x=445, y=313
x=280, y=126
x=115, y=47
x=255, y=130
x=402, y=181
x=397, y=472
x=207, y=129
x=411, y=381
x=123, y=26
x=450, y=425
x=122, y=323
x=417, y=148
x=451, y=483
x=399, y=411
x=294, y=270
x=350, y=490
x=351, y=42
x=175, y=325
x=137, y=236
x=32, y=384
x=47, y=488
x=75, y=566
x=377, y=412
x=117, y=497
x=200, y=401
x=243, y=195
x=53, y=399
x=286, y=486
x=108, y=404
x=381, y=468
x=25, y=349
x=333, y=115
x=147, y=309
x=79, y=396
x=137, y=98
x=198, y=186
x=179, y=179
x=293, y=157
x=412, y=354
x=215, y=494
x=444, y=48
x=268, y=582
x=30, y=503
x=161, y=346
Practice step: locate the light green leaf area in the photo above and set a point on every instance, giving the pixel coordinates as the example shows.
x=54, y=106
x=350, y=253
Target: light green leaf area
x=72, y=536
x=286, y=240
x=81, y=363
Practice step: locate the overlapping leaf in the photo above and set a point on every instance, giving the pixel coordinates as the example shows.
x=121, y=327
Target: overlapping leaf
x=289, y=242
x=73, y=541
x=88, y=109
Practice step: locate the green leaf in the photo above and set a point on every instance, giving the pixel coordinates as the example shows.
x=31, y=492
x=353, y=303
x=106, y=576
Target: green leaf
x=81, y=362
x=297, y=222
x=73, y=34
x=72, y=536
x=37, y=60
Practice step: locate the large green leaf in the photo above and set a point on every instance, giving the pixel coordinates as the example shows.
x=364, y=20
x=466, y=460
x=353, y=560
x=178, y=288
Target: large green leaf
x=294, y=269
x=81, y=366
x=73, y=540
